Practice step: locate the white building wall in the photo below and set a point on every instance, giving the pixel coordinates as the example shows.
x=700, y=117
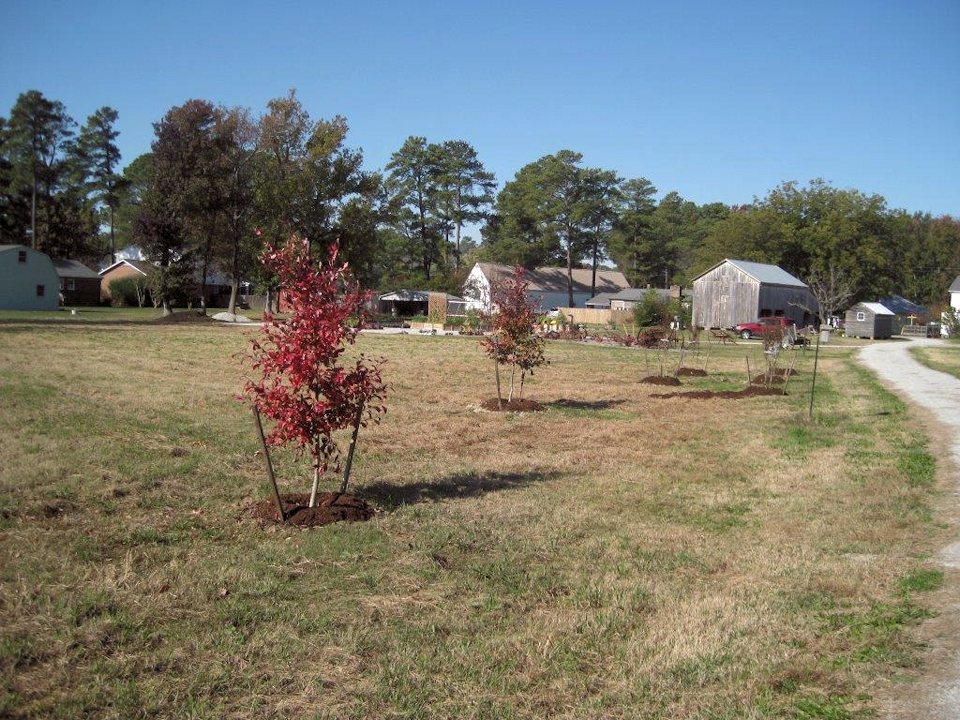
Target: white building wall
x=19, y=280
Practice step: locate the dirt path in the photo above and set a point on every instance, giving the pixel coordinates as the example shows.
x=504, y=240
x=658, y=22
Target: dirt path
x=935, y=695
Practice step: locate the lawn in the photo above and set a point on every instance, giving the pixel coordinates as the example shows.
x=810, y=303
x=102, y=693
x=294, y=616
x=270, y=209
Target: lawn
x=615, y=556
x=945, y=357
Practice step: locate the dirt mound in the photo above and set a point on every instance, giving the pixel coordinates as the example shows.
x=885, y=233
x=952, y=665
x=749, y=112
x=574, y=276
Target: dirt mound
x=186, y=316
x=331, y=507
x=512, y=406
x=691, y=372
x=661, y=380
x=752, y=391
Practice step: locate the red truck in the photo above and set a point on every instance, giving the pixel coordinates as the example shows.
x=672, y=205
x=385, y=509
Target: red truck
x=764, y=324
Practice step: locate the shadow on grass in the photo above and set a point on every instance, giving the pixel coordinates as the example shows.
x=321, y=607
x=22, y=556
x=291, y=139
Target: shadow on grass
x=458, y=485
x=583, y=404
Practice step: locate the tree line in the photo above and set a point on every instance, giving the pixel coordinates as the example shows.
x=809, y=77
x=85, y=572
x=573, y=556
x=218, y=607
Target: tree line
x=219, y=183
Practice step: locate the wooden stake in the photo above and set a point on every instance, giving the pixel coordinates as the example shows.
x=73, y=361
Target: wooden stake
x=316, y=486
x=749, y=379
x=268, y=464
x=353, y=445
x=813, y=385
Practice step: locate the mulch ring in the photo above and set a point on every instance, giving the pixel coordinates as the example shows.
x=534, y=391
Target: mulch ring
x=779, y=377
x=512, y=406
x=331, y=507
x=661, y=380
x=752, y=391
x=691, y=372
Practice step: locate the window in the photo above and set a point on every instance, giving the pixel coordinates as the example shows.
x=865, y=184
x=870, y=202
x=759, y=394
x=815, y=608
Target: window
x=71, y=284
x=21, y=256
x=40, y=290
x=861, y=316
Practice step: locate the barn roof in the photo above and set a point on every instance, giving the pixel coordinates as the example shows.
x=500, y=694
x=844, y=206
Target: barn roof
x=767, y=274
x=876, y=308
x=554, y=279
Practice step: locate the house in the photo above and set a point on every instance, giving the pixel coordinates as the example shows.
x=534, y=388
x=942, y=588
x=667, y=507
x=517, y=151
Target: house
x=739, y=291
x=870, y=320
x=407, y=303
x=140, y=269
x=547, y=286
x=906, y=311
x=28, y=279
x=79, y=285
x=955, y=293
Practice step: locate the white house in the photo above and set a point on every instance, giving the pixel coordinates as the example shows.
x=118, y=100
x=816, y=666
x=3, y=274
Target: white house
x=955, y=293
x=547, y=285
x=28, y=279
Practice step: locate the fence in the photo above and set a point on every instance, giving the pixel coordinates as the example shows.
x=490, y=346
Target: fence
x=594, y=316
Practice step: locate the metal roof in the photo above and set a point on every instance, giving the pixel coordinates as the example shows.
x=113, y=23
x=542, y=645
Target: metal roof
x=902, y=306
x=414, y=296
x=875, y=308
x=768, y=274
x=955, y=285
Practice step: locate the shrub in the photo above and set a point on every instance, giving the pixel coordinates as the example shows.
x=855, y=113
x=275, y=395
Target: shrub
x=128, y=292
x=652, y=310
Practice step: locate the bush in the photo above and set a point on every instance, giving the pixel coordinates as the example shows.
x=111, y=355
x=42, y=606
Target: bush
x=128, y=292
x=652, y=310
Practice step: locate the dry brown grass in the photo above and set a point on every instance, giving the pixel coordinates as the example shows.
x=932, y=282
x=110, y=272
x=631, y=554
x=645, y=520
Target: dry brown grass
x=615, y=556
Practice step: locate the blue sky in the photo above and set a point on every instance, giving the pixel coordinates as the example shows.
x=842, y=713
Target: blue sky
x=718, y=101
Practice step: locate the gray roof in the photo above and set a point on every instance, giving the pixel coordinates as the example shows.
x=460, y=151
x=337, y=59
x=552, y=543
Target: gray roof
x=761, y=272
x=554, y=279
x=875, y=308
x=902, y=306
x=955, y=285
x=637, y=294
x=414, y=296
x=599, y=300
x=768, y=274
x=74, y=269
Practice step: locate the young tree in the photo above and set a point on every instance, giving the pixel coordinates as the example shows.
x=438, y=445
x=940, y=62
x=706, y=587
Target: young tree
x=513, y=341
x=305, y=386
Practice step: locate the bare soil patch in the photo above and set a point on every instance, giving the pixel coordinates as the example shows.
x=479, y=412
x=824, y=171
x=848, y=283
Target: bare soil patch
x=691, y=372
x=661, y=380
x=331, y=507
x=512, y=406
x=752, y=391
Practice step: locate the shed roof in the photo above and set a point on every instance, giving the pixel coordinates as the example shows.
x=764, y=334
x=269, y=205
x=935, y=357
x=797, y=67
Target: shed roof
x=74, y=269
x=554, y=279
x=876, y=308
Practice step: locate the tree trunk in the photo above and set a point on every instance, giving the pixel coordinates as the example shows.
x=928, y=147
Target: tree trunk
x=593, y=277
x=496, y=368
x=234, y=288
x=353, y=444
x=569, y=274
x=165, y=304
x=513, y=374
x=316, y=485
x=113, y=243
x=33, y=215
x=523, y=374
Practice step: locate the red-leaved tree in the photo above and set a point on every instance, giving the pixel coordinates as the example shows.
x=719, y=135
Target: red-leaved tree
x=514, y=340
x=304, y=387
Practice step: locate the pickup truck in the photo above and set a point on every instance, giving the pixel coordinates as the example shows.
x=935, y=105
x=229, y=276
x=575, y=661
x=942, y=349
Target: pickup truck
x=759, y=327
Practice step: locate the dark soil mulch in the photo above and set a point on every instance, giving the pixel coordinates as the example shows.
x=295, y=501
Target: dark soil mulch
x=691, y=372
x=777, y=378
x=512, y=406
x=186, y=316
x=661, y=380
x=752, y=391
x=331, y=507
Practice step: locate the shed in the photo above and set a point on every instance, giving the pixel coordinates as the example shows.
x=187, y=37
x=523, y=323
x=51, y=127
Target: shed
x=546, y=286
x=28, y=279
x=870, y=320
x=739, y=291
x=79, y=285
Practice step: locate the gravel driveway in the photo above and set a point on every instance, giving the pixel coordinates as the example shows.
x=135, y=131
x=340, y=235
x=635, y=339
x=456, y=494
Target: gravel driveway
x=936, y=695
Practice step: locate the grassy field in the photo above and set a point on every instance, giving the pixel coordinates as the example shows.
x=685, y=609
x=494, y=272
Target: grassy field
x=945, y=358
x=616, y=556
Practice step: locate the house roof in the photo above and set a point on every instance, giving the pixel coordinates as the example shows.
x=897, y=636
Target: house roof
x=902, y=306
x=74, y=269
x=413, y=296
x=554, y=279
x=141, y=266
x=599, y=300
x=876, y=308
x=761, y=272
x=955, y=285
x=637, y=294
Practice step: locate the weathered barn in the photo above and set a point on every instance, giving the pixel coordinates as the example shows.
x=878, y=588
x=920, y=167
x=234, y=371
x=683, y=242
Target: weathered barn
x=869, y=320
x=739, y=291
x=28, y=279
x=79, y=285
